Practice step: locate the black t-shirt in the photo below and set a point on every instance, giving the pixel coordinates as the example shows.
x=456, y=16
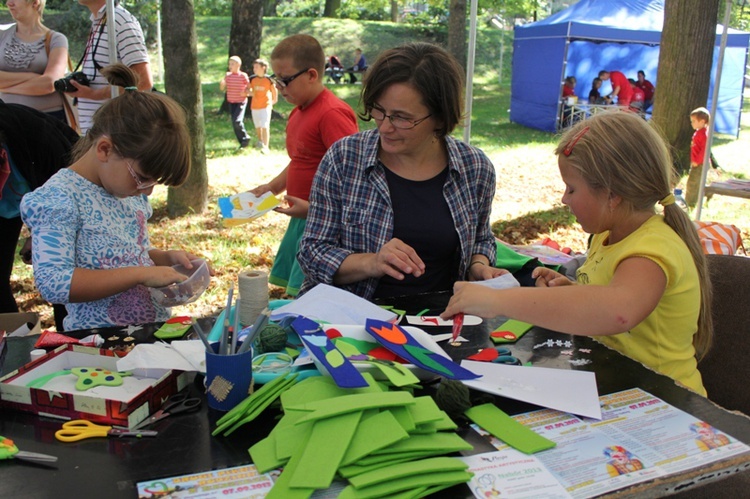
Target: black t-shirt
x=422, y=219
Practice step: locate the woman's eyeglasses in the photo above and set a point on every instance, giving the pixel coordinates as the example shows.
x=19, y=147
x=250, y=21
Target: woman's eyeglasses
x=284, y=82
x=396, y=121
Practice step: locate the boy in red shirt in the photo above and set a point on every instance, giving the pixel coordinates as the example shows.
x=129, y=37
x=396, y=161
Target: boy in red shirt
x=699, y=119
x=318, y=120
x=236, y=85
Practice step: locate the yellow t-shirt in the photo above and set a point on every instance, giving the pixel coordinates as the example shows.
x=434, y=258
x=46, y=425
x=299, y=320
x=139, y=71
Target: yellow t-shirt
x=664, y=340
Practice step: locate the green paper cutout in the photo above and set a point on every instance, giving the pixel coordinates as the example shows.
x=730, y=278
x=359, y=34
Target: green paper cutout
x=424, y=356
x=90, y=377
x=290, y=438
x=446, y=442
x=350, y=403
x=518, y=328
x=403, y=470
x=397, y=374
x=390, y=487
x=42, y=380
x=508, y=429
x=404, y=418
x=425, y=410
x=264, y=457
x=324, y=450
x=402, y=457
x=374, y=433
x=281, y=488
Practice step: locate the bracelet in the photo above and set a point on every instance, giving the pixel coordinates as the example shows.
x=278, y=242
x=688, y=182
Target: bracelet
x=475, y=262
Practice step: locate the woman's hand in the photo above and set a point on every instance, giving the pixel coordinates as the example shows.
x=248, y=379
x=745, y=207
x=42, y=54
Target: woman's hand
x=396, y=258
x=472, y=299
x=294, y=207
x=482, y=272
x=548, y=278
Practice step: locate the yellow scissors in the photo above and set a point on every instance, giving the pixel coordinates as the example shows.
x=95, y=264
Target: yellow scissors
x=80, y=429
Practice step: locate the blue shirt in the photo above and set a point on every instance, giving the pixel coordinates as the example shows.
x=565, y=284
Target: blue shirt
x=351, y=212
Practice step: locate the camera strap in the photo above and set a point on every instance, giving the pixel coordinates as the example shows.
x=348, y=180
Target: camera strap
x=102, y=24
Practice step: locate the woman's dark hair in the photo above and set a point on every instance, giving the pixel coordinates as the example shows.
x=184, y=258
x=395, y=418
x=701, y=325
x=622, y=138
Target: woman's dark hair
x=145, y=126
x=431, y=70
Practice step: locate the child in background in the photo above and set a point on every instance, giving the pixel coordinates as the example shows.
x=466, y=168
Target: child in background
x=699, y=120
x=261, y=105
x=236, y=85
x=91, y=249
x=644, y=287
x=595, y=97
x=318, y=119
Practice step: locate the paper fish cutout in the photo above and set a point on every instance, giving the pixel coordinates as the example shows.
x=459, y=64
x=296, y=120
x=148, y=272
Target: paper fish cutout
x=338, y=366
x=245, y=207
x=403, y=344
x=435, y=320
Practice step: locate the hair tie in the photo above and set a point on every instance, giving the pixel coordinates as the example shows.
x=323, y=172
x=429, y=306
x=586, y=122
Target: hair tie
x=131, y=89
x=668, y=199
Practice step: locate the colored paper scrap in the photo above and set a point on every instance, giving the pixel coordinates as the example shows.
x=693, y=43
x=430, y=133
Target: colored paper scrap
x=421, y=467
x=391, y=487
x=349, y=403
x=507, y=429
x=375, y=432
x=510, y=331
x=403, y=344
x=245, y=206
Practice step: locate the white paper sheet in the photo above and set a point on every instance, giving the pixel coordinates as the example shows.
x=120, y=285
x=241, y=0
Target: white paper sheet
x=565, y=390
x=333, y=305
x=188, y=355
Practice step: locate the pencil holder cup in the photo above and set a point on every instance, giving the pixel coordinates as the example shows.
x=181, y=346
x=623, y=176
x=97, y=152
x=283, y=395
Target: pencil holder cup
x=228, y=378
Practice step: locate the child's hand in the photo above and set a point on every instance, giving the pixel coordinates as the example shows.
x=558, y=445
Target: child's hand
x=479, y=272
x=294, y=207
x=158, y=276
x=472, y=299
x=260, y=190
x=548, y=278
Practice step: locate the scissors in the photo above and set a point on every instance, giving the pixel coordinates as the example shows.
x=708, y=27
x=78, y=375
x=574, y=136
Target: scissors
x=80, y=429
x=176, y=404
x=9, y=450
x=504, y=356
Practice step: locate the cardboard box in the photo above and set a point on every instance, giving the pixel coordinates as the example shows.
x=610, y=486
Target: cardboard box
x=11, y=322
x=125, y=405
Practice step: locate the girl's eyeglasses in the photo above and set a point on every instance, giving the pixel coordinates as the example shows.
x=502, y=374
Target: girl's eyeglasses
x=396, y=121
x=284, y=82
x=140, y=182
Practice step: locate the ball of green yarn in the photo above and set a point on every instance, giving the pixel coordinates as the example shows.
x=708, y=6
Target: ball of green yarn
x=272, y=338
x=453, y=397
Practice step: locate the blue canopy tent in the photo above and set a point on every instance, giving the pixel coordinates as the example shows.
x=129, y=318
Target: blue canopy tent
x=594, y=35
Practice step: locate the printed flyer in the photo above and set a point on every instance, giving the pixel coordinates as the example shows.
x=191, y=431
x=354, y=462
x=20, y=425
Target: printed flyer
x=240, y=482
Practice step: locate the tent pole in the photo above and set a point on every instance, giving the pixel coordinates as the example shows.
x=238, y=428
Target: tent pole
x=470, y=71
x=714, y=105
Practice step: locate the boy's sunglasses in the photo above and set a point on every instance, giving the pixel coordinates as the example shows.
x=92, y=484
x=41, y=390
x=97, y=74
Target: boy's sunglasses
x=283, y=82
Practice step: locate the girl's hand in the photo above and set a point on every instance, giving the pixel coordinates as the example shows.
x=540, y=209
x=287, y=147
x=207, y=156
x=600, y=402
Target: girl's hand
x=159, y=275
x=548, y=278
x=397, y=258
x=176, y=257
x=260, y=190
x=472, y=299
x=294, y=207
x=480, y=272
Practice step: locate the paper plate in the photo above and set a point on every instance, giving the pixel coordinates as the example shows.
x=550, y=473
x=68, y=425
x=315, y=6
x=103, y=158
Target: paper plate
x=359, y=333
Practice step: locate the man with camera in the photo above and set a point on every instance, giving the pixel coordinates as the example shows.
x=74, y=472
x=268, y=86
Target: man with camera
x=88, y=84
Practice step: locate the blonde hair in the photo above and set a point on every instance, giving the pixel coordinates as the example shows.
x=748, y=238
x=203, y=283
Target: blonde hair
x=145, y=126
x=619, y=152
x=39, y=8
x=236, y=59
x=304, y=51
x=702, y=114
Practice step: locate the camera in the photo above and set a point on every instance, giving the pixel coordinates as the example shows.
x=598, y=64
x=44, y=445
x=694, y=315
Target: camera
x=64, y=85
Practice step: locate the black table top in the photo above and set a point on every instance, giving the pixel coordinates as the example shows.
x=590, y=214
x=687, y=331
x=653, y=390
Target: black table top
x=112, y=467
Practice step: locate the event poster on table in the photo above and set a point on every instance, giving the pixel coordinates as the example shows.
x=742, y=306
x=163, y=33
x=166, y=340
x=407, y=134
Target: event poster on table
x=639, y=438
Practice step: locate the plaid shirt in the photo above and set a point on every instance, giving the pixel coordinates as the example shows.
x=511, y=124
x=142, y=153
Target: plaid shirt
x=350, y=208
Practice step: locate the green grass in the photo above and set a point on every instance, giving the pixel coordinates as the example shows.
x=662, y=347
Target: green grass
x=526, y=207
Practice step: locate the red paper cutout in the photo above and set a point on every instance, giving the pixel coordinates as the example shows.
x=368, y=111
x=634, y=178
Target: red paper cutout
x=507, y=335
x=333, y=333
x=486, y=355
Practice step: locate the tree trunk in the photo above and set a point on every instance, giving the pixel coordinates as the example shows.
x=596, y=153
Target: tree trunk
x=246, y=31
x=394, y=11
x=182, y=82
x=457, y=30
x=685, y=59
x=331, y=8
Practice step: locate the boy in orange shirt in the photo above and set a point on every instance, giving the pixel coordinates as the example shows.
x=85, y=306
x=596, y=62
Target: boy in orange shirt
x=264, y=96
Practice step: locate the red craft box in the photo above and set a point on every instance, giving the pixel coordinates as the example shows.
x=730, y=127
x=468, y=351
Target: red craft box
x=125, y=405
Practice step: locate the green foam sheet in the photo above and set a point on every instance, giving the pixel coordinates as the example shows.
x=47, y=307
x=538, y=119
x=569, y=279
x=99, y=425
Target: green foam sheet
x=508, y=429
x=375, y=432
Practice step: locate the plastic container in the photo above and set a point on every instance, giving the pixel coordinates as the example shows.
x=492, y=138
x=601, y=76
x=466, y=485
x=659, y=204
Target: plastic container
x=679, y=200
x=186, y=291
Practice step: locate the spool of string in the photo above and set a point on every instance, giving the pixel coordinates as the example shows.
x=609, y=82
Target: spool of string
x=253, y=285
x=453, y=397
x=272, y=338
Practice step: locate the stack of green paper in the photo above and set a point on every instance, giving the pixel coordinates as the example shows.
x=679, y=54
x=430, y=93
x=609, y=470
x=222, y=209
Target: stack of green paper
x=385, y=443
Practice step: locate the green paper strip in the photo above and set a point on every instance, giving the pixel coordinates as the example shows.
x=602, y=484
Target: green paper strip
x=241, y=408
x=290, y=438
x=448, y=442
x=403, y=470
x=264, y=457
x=350, y=403
x=42, y=380
x=411, y=493
x=425, y=410
x=398, y=374
x=390, y=487
x=374, y=433
x=404, y=418
x=400, y=457
x=518, y=328
x=508, y=429
x=324, y=450
x=281, y=488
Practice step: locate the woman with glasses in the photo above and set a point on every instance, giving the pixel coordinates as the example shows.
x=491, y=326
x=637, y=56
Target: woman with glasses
x=91, y=249
x=403, y=208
